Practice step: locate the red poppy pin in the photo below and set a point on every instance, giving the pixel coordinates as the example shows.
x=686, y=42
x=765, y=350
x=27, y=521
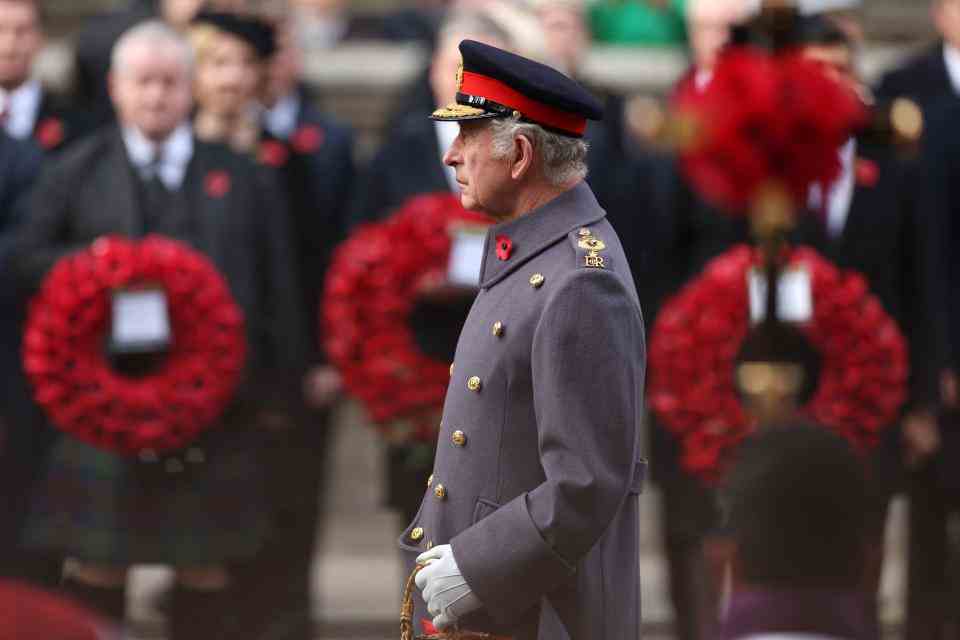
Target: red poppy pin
x=217, y=183
x=867, y=172
x=273, y=154
x=504, y=247
x=307, y=139
x=50, y=133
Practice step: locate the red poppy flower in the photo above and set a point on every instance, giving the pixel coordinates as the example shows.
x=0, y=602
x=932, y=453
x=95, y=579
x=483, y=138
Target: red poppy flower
x=692, y=359
x=75, y=384
x=50, y=133
x=504, y=247
x=217, y=183
x=307, y=139
x=273, y=153
x=369, y=295
x=867, y=172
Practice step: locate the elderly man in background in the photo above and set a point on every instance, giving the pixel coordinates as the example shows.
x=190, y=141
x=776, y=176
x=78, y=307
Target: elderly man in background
x=150, y=175
x=529, y=527
x=95, y=41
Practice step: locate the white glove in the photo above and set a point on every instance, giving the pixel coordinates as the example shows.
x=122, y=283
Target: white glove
x=447, y=594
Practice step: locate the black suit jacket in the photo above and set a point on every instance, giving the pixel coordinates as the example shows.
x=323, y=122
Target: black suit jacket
x=923, y=79
x=91, y=191
x=318, y=184
x=408, y=164
x=19, y=165
x=940, y=189
x=888, y=239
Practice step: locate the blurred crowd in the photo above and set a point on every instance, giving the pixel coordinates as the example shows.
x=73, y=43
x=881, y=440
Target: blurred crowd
x=191, y=119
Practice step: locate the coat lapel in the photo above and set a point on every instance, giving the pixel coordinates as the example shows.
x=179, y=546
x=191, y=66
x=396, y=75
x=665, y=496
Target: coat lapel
x=120, y=201
x=207, y=187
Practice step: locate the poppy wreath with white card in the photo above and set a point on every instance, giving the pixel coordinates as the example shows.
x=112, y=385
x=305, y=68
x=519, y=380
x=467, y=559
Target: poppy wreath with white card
x=862, y=382
x=431, y=246
x=135, y=347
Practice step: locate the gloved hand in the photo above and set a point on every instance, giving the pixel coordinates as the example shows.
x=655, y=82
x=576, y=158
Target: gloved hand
x=447, y=594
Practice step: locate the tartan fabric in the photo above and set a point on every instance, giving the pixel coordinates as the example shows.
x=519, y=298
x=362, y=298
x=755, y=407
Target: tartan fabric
x=99, y=507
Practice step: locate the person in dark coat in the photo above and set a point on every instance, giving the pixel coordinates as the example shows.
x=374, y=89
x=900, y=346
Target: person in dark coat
x=312, y=153
x=797, y=505
x=935, y=73
x=529, y=526
x=99, y=34
x=23, y=442
x=27, y=110
x=410, y=163
x=934, y=484
x=150, y=175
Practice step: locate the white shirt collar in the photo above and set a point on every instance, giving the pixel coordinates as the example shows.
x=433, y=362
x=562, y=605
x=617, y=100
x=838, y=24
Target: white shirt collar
x=839, y=196
x=281, y=119
x=446, y=134
x=24, y=107
x=951, y=56
x=175, y=154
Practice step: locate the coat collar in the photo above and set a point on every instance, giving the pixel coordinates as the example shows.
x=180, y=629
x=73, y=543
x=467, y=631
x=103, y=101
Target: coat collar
x=533, y=232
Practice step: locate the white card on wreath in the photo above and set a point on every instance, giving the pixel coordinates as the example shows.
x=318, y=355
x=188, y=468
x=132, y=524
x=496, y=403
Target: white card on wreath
x=794, y=295
x=466, y=255
x=140, y=320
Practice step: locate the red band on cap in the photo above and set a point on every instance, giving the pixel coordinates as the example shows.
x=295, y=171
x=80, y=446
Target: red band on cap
x=475, y=84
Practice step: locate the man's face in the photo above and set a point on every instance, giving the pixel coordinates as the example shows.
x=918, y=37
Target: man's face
x=20, y=40
x=151, y=90
x=946, y=16
x=283, y=72
x=567, y=34
x=228, y=76
x=485, y=181
x=837, y=59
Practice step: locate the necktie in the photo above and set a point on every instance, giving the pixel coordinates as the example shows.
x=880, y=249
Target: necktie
x=4, y=111
x=156, y=194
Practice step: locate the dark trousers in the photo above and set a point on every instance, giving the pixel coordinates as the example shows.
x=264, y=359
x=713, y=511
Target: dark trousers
x=933, y=597
x=272, y=593
x=689, y=515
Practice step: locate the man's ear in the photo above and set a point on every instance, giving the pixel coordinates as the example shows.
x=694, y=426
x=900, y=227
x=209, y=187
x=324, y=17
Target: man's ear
x=524, y=157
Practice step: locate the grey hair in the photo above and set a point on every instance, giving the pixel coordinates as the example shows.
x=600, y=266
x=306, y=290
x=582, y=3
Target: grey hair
x=563, y=159
x=151, y=32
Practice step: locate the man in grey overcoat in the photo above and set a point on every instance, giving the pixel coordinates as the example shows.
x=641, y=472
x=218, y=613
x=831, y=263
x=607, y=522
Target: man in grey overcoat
x=529, y=525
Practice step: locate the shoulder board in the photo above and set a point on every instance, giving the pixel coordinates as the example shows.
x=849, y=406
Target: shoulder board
x=590, y=249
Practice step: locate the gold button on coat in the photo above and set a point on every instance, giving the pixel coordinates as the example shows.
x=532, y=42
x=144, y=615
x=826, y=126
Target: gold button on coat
x=459, y=438
x=416, y=534
x=537, y=280
x=440, y=492
x=498, y=329
x=474, y=383
x=451, y=370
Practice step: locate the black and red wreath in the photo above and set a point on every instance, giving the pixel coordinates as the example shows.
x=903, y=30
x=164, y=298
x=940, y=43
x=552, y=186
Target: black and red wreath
x=65, y=355
x=761, y=121
x=698, y=334
x=371, y=291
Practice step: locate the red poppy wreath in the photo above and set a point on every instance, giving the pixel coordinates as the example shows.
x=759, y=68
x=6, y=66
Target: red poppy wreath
x=371, y=290
x=66, y=360
x=762, y=120
x=863, y=375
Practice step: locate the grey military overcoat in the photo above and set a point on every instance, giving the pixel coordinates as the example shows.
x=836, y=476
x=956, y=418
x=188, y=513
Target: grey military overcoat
x=538, y=465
